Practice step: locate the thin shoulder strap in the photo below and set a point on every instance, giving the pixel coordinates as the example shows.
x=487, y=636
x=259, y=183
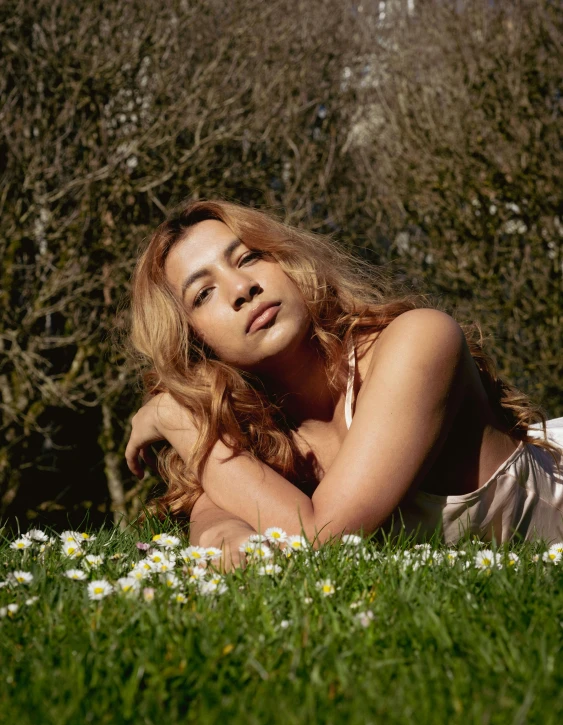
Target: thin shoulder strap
x=350, y=384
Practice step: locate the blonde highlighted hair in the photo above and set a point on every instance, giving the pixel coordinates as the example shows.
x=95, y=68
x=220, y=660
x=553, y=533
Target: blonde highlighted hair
x=345, y=296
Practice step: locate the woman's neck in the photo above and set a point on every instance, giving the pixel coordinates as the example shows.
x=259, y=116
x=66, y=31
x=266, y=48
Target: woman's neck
x=302, y=389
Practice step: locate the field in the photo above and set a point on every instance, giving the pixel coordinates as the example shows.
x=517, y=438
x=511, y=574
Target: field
x=360, y=632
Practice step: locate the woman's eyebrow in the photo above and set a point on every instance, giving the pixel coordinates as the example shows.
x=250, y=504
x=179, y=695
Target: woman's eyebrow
x=194, y=276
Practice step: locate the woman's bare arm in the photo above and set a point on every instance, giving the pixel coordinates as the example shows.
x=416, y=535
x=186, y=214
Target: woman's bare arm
x=210, y=524
x=408, y=402
x=403, y=415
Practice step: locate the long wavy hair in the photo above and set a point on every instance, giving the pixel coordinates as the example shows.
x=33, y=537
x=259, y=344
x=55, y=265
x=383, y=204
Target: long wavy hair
x=345, y=296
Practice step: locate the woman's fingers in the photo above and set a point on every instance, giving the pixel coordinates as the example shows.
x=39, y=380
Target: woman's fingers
x=144, y=431
x=232, y=560
x=132, y=458
x=148, y=457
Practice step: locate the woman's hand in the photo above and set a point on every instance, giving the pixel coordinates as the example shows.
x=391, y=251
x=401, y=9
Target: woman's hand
x=229, y=542
x=151, y=423
x=232, y=558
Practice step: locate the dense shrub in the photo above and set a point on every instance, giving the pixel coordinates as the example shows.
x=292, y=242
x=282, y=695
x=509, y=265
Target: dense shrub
x=427, y=139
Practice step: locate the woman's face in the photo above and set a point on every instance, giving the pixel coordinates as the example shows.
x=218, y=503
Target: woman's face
x=222, y=282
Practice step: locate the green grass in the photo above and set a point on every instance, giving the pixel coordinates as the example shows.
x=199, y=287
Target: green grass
x=444, y=644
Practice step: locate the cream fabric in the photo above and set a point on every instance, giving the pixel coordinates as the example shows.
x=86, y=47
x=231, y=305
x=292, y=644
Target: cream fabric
x=524, y=496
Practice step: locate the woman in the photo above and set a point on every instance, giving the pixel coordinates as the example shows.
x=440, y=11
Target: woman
x=296, y=388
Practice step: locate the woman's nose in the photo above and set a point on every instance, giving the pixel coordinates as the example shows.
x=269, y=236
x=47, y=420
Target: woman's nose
x=244, y=290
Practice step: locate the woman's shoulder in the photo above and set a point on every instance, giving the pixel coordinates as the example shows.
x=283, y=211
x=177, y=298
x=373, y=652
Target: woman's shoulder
x=424, y=324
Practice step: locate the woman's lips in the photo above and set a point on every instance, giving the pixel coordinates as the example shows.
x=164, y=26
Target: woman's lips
x=264, y=318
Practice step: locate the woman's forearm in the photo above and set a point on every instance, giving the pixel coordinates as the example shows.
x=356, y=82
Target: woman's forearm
x=210, y=524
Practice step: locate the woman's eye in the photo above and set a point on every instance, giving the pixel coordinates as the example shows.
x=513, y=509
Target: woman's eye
x=252, y=255
x=200, y=297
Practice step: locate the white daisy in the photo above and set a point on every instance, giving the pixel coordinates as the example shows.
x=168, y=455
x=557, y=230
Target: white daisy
x=269, y=568
x=159, y=537
x=138, y=573
x=351, y=540
x=248, y=546
x=37, y=535
x=552, y=556
x=76, y=574
x=451, y=556
x=197, y=573
x=557, y=547
x=275, y=535
x=92, y=561
x=171, y=580
x=285, y=623
x=180, y=598
x=261, y=551
x=22, y=577
x=160, y=562
x=163, y=567
x=192, y=554
x=30, y=601
x=365, y=618
x=257, y=538
x=71, y=537
x=22, y=543
x=512, y=560
x=168, y=541
x=72, y=550
x=9, y=611
x=128, y=584
x=297, y=542
x=486, y=559
x=350, y=555
x=158, y=557
x=326, y=586
x=83, y=536
x=99, y=588
x=145, y=565
x=212, y=552
x=212, y=587
x=424, y=553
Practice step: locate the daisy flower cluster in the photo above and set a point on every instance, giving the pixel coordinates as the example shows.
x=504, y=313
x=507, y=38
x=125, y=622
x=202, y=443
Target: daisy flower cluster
x=422, y=555
x=186, y=570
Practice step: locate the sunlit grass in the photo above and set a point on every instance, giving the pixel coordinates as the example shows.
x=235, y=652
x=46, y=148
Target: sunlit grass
x=136, y=627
